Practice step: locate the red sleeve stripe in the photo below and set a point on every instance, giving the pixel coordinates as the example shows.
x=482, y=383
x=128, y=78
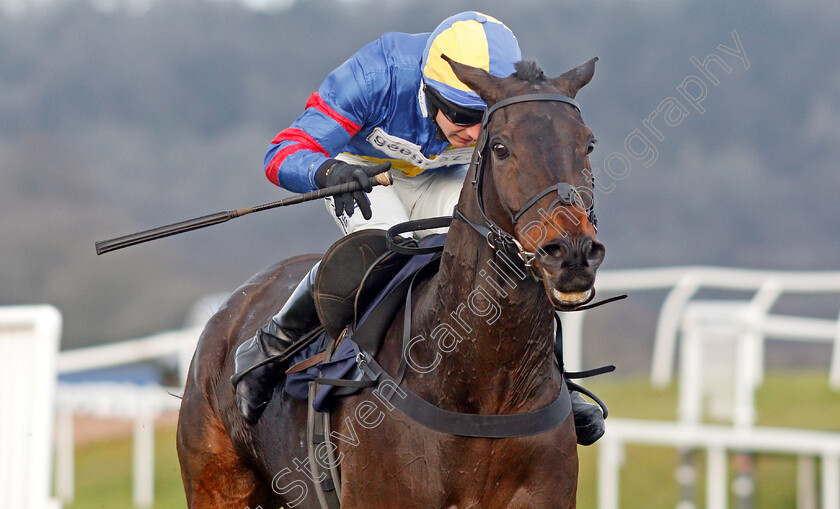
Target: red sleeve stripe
x=304, y=142
x=300, y=136
x=316, y=102
x=273, y=168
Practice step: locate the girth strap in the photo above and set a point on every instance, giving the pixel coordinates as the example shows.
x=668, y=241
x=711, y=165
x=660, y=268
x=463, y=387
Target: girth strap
x=464, y=424
x=326, y=487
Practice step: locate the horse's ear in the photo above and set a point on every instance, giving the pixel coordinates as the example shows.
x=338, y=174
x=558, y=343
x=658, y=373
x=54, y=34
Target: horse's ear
x=573, y=80
x=482, y=82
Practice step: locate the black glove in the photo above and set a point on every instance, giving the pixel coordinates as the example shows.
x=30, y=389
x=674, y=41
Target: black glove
x=334, y=172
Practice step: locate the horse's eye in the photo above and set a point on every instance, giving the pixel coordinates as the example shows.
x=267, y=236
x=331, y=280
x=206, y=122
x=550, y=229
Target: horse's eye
x=500, y=150
x=590, y=147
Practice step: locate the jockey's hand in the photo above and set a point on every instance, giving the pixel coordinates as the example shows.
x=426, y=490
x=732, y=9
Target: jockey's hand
x=334, y=172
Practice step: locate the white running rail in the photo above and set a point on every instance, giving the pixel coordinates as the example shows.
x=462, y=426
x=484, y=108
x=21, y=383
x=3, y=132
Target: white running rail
x=141, y=404
x=717, y=440
x=724, y=338
x=685, y=282
x=29, y=338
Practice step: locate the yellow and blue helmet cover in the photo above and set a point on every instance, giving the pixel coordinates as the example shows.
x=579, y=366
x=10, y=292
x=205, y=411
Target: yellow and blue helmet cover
x=473, y=39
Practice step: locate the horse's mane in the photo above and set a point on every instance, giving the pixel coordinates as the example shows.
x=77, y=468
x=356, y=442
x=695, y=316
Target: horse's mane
x=530, y=71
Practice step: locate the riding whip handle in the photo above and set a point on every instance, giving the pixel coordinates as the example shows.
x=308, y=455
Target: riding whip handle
x=383, y=178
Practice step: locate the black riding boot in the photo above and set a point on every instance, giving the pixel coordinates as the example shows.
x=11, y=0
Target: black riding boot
x=297, y=317
x=589, y=421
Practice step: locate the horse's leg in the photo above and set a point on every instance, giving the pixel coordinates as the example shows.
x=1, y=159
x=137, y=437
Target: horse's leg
x=214, y=475
x=552, y=480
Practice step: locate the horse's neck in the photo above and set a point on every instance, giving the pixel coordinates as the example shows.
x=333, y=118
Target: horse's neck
x=500, y=319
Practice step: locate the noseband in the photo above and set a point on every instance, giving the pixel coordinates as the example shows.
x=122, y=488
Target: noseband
x=497, y=238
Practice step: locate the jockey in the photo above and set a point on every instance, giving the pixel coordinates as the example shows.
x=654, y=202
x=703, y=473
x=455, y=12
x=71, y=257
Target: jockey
x=396, y=100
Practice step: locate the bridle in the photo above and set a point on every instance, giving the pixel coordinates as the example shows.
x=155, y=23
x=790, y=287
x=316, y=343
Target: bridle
x=498, y=239
x=413, y=405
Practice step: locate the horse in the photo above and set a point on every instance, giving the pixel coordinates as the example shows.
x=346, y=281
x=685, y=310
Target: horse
x=482, y=330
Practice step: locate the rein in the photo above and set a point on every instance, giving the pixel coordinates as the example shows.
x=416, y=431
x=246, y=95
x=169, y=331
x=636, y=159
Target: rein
x=496, y=237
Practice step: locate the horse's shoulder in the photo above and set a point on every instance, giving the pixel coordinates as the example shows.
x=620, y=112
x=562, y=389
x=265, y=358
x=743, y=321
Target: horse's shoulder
x=247, y=309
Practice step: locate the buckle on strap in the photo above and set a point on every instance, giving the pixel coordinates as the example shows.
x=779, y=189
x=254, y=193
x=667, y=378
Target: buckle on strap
x=363, y=362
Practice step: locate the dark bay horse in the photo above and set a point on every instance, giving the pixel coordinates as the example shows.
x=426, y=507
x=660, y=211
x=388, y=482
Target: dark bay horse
x=482, y=339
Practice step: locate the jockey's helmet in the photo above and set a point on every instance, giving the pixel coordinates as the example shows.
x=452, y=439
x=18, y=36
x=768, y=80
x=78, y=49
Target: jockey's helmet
x=473, y=39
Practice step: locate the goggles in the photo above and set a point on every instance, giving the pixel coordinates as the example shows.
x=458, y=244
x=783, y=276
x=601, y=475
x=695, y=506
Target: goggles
x=458, y=115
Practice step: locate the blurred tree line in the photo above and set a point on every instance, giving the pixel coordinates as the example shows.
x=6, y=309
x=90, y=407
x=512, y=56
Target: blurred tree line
x=118, y=120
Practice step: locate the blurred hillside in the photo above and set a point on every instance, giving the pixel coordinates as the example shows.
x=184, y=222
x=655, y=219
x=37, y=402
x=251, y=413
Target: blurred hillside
x=117, y=120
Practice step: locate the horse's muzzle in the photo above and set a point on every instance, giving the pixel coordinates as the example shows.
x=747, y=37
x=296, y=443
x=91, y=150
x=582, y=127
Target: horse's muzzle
x=568, y=267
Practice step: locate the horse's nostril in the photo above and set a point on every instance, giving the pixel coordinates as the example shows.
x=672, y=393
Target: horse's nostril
x=596, y=254
x=553, y=251
x=570, y=252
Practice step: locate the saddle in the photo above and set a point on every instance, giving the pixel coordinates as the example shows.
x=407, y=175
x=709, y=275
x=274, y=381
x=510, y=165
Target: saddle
x=352, y=272
x=356, y=297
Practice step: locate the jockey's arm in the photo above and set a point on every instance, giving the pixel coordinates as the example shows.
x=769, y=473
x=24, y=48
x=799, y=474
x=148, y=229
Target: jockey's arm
x=332, y=116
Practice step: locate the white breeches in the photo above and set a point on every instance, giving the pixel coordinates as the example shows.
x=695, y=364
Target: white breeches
x=427, y=195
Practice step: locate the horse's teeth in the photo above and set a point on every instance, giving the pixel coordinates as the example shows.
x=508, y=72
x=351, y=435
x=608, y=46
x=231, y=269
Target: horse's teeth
x=570, y=297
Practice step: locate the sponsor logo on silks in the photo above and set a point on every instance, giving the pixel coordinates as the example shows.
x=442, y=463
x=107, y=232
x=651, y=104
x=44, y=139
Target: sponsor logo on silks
x=398, y=148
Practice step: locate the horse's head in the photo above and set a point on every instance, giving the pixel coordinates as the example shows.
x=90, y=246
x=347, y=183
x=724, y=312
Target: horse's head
x=533, y=178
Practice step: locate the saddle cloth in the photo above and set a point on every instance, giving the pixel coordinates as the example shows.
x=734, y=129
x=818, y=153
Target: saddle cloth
x=367, y=334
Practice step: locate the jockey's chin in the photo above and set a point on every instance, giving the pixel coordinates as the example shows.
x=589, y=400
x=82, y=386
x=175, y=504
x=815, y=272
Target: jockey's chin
x=457, y=136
